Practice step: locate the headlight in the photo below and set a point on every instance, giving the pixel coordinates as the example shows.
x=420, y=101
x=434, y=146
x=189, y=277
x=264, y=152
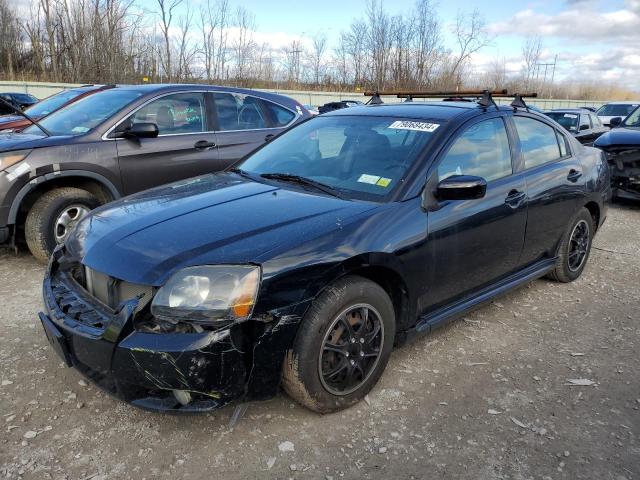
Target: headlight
x=11, y=158
x=208, y=294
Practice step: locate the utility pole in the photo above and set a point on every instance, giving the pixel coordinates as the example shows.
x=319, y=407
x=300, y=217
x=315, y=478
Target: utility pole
x=546, y=69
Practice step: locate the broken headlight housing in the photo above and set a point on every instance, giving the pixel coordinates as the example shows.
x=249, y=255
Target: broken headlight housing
x=208, y=294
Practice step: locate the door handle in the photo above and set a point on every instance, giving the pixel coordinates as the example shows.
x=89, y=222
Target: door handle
x=515, y=198
x=204, y=145
x=574, y=175
x=269, y=137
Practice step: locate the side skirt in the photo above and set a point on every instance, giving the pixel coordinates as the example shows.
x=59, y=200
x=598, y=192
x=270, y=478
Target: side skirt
x=447, y=313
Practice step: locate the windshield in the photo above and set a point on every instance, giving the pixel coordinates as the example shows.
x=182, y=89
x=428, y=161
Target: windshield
x=24, y=98
x=361, y=157
x=85, y=114
x=633, y=120
x=52, y=103
x=567, y=120
x=616, y=110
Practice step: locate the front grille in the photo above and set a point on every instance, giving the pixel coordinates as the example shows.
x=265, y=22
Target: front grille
x=111, y=291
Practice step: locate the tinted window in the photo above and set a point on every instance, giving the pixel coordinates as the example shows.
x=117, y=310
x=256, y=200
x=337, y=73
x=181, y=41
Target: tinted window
x=174, y=114
x=584, y=121
x=566, y=119
x=362, y=157
x=538, y=141
x=85, y=114
x=482, y=150
x=281, y=116
x=238, y=112
x=24, y=98
x=616, y=109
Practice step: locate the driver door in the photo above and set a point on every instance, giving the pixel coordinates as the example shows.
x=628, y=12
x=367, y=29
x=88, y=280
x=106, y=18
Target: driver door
x=183, y=148
x=472, y=243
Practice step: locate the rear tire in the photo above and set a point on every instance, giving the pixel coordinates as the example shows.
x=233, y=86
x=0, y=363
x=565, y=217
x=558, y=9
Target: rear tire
x=358, y=351
x=574, y=249
x=45, y=224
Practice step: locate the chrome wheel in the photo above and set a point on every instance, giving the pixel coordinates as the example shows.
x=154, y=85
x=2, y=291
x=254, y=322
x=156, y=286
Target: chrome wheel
x=578, y=245
x=67, y=219
x=351, y=349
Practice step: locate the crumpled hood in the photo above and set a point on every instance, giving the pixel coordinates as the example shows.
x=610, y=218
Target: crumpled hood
x=619, y=137
x=213, y=219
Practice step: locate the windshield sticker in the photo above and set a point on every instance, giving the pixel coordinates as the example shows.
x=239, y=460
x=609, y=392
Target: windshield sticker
x=383, y=182
x=570, y=115
x=370, y=179
x=417, y=126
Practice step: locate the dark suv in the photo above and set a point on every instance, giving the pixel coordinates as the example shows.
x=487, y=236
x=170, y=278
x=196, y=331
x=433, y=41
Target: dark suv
x=123, y=140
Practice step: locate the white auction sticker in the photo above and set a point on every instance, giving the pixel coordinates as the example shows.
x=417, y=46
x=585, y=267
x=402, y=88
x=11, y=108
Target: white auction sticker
x=570, y=115
x=418, y=126
x=365, y=178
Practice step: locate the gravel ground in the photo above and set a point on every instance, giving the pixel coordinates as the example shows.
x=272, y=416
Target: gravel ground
x=487, y=397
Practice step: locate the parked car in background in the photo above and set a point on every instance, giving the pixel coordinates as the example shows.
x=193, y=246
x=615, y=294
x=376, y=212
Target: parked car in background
x=123, y=140
x=331, y=106
x=313, y=110
x=584, y=125
x=622, y=147
x=20, y=100
x=310, y=258
x=16, y=122
x=615, y=109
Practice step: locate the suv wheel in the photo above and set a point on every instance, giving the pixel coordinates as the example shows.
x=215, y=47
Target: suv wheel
x=53, y=216
x=342, y=346
x=574, y=248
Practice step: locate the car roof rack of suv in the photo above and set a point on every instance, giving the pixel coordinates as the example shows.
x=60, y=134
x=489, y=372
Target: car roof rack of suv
x=518, y=100
x=484, y=98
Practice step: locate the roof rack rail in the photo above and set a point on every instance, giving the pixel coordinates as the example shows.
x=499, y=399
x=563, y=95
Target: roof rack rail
x=484, y=97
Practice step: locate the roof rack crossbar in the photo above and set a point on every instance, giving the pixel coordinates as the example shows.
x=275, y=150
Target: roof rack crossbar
x=375, y=98
x=423, y=94
x=518, y=101
x=487, y=100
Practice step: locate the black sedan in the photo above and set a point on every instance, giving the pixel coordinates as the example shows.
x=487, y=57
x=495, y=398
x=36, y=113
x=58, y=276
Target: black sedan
x=622, y=147
x=583, y=124
x=308, y=260
x=20, y=100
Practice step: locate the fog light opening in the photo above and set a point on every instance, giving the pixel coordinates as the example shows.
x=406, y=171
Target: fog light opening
x=182, y=396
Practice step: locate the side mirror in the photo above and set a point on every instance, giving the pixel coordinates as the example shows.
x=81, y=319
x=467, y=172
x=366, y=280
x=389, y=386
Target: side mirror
x=139, y=130
x=615, y=122
x=584, y=127
x=461, y=187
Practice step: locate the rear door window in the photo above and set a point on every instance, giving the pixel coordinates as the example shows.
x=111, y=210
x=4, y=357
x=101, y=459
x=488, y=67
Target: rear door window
x=238, y=112
x=538, y=141
x=280, y=116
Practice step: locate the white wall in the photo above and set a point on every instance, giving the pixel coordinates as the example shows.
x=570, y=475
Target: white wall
x=42, y=90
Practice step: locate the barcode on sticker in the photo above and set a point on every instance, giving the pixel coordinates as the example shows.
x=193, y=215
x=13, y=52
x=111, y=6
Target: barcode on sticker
x=418, y=126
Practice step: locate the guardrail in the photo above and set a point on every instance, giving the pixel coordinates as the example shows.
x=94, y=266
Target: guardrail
x=42, y=90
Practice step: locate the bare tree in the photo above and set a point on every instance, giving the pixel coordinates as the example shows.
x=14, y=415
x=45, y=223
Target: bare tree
x=243, y=44
x=531, y=52
x=318, y=49
x=167, y=9
x=471, y=36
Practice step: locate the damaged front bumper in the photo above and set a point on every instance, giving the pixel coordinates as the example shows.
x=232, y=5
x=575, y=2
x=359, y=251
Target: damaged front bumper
x=181, y=372
x=624, y=164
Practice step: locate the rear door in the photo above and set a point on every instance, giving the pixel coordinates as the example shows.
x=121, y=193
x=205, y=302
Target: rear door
x=472, y=243
x=555, y=185
x=244, y=122
x=185, y=146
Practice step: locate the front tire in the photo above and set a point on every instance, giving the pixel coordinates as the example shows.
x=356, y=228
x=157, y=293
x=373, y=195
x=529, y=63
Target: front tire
x=574, y=249
x=53, y=216
x=342, y=346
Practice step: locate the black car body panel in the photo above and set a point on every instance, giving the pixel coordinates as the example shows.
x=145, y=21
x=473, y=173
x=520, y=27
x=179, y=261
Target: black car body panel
x=586, y=128
x=622, y=147
x=121, y=166
x=436, y=258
